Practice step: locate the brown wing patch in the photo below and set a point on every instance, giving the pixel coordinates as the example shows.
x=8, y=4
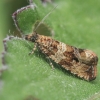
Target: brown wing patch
x=81, y=65
x=47, y=45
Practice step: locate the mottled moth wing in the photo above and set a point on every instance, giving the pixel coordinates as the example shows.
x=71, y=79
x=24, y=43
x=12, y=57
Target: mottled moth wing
x=80, y=62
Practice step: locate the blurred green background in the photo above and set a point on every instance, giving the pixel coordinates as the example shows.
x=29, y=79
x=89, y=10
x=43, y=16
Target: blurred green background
x=7, y=7
x=7, y=27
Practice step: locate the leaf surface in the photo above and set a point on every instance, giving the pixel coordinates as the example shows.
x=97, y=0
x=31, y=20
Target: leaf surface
x=30, y=76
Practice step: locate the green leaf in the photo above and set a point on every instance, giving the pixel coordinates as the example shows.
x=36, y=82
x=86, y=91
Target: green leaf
x=31, y=77
x=27, y=18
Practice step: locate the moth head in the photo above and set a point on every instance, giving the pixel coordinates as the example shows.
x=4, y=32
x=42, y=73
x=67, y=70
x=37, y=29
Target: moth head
x=31, y=37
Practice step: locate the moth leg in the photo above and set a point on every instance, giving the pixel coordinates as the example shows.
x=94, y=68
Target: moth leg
x=35, y=45
x=51, y=64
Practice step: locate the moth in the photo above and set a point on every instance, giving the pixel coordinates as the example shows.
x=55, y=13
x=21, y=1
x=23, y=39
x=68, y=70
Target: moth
x=80, y=62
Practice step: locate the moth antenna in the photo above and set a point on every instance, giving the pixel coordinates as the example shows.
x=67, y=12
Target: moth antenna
x=45, y=17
